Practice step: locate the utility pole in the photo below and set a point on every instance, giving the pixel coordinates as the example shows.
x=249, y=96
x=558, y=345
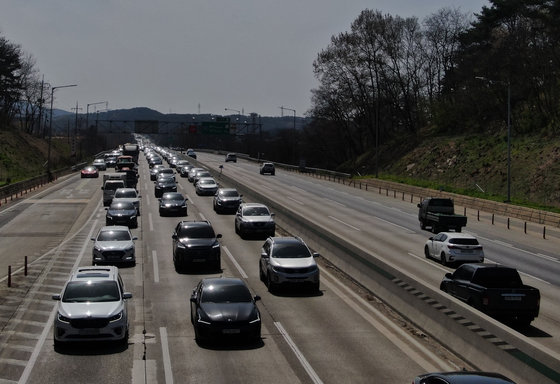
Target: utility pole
x=75, y=137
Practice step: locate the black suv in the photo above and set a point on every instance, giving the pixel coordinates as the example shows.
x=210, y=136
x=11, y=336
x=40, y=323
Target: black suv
x=195, y=243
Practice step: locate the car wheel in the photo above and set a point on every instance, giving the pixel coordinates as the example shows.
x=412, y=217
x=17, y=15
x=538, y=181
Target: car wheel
x=271, y=286
x=444, y=259
x=427, y=252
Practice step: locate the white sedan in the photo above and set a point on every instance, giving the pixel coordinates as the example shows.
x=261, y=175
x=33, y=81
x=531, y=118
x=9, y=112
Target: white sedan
x=453, y=247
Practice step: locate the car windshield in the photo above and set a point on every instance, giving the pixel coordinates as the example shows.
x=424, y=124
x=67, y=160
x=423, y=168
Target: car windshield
x=173, y=196
x=205, y=181
x=290, y=251
x=256, y=211
x=88, y=291
x=130, y=193
x=122, y=205
x=229, y=193
x=226, y=294
x=198, y=232
x=113, y=236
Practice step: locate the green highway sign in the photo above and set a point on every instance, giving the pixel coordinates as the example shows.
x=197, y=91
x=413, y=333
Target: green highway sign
x=214, y=127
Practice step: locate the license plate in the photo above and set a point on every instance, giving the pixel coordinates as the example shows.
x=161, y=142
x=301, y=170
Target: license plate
x=231, y=331
x=90, y=331
x=467, y=251
x=198, y=260
x=512, y=298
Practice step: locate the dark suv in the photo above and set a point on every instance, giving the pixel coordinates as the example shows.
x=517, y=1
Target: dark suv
x=195, y=243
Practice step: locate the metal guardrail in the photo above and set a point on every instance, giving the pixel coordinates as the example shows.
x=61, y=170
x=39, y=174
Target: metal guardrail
x=15, y=190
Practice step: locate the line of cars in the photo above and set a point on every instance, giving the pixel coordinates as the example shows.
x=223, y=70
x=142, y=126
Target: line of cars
x=93, y=302
x=284, y=261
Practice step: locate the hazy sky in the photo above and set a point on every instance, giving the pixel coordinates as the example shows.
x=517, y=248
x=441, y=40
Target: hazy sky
x=177, y=55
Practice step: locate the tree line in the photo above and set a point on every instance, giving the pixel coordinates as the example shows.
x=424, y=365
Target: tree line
x=22, y=92
x=391, y=78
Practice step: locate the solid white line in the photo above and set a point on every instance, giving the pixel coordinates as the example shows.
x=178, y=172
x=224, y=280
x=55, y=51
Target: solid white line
x=393, y=224
x=310, y=371
x=150, y=221
x=342, y=222
x=166, y=356
x=202, y=217
x=297, y=201
x=267, y=187
x=241, y=271
x=156, y=266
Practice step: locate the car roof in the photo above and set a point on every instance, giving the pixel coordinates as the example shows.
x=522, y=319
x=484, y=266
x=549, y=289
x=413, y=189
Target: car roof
x=114, y=228
x=193, y=223
x=457, y=235
x=465, y=377
x=223, y=281
x=108, y=272
x=286, y=240
x=244, y=205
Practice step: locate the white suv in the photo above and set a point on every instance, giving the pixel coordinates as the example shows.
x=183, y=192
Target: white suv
x=92, y=306
x=288, y=260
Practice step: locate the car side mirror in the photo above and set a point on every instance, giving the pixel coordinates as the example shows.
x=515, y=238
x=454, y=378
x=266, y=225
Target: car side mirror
x=219, y=236
x=431, y=238
x=174, y=237
x=193, y=299
x=135, y=238
x=316, y=254
x=92, y=239
x=127, y=295
x=449, y=275
x=106, y=208
x=419, y=205
x=264, y=255
x=159, y=200
x=56, y=297
x=256, y=298
x=101, y=188
x=272, y=214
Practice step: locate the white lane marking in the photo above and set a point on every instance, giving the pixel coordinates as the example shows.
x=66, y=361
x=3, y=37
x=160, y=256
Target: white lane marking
x=342, y=222
x=393, y=224
x=507, y=245
x=298, y=189
x=429, y=262
x=241, y=271
x=48, y=326
x=297, y=201
x=310, y=371
x=405, y=342
x=267, y=187
x=202, y=217
x=166, y=356
x=189, y=199
x=150, y=221
x=147, y=199
x=156, y=266
x=335, y=202
x=181, y=186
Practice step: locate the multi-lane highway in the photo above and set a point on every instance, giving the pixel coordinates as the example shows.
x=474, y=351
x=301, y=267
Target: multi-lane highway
x=343, y=334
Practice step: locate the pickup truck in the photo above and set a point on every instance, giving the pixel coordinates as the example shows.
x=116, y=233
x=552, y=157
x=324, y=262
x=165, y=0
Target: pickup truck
x=439, y=214
x=494, y=289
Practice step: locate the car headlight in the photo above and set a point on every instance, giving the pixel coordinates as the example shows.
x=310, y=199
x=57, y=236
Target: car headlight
x=200, y=320
x=62, y=318
x=216, y=245
x=257, y=318
x=116, y=317
x=181, y=245
x=133, y=217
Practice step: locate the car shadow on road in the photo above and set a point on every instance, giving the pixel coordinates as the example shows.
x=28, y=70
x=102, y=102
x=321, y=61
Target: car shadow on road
x=92, y=348
x=230, y=344
x=297, y=291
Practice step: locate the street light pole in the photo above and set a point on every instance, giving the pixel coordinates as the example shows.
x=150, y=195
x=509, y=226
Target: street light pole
x=508, y=200
x=50, y=128
x=87, y=111
x=282, y=108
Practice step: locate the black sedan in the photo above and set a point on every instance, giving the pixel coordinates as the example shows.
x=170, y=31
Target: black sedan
x=222, y=307
x=227, y=199
x=165, y=185
x=462, y=377
x=173, y=203
x=196, y=244
x=122, y=213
